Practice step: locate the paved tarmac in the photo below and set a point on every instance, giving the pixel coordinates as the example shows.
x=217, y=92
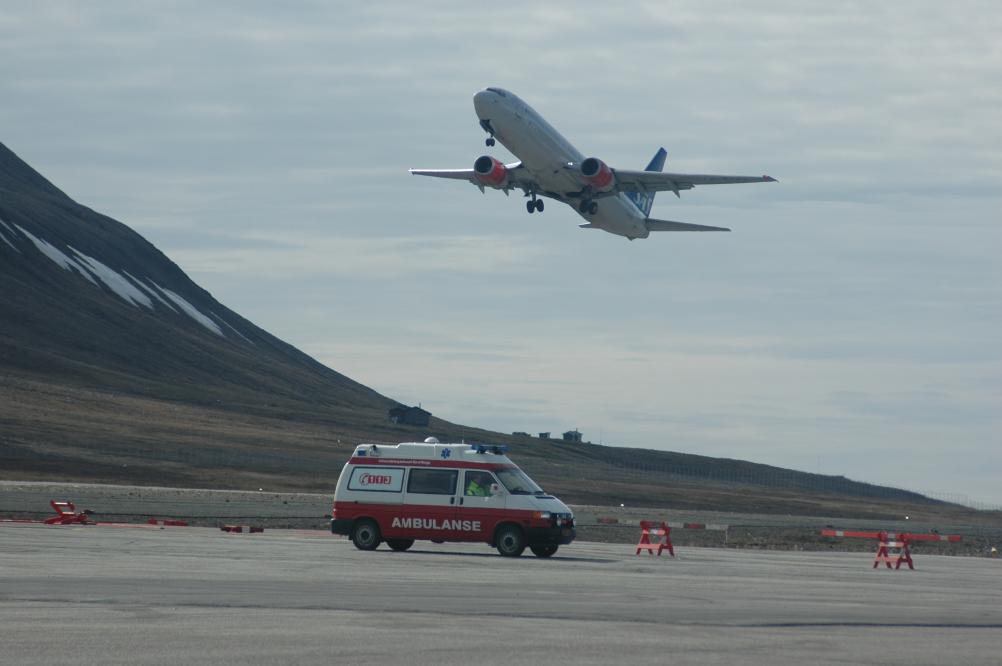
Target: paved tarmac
x=140, y=595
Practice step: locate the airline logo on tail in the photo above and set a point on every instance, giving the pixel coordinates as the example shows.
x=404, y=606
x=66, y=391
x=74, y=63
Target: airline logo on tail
x=645, y=200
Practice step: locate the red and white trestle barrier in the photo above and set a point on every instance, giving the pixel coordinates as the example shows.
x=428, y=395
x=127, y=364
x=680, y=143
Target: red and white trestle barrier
x=892, y=547
x=237, y=529
x=655, y=535
x=66, y=514
x=167, y=522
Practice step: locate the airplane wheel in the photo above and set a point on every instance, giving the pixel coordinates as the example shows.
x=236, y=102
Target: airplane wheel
x=530, y=206
x=583, y=206
x=490, y=141
x=593, y=208
x=539, y=205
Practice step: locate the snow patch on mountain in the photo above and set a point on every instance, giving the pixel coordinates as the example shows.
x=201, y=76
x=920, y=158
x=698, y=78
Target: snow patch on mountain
x=5, y=239
x=127, y=287
x=191, y=310
x=224, y=323
x=150, y=290
x=56, y=255
x=115, y=281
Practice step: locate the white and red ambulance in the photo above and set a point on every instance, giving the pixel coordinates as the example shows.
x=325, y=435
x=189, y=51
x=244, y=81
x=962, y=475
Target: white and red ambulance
x=446, y=492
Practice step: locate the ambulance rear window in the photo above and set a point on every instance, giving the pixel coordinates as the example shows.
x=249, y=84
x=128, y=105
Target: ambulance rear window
x=433, y=481
x=377, y=479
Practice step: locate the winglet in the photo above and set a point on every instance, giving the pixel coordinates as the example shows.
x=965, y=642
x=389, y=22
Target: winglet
x=769, y=179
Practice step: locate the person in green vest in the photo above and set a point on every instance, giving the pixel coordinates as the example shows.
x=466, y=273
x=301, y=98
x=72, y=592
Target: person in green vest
x=479, y=484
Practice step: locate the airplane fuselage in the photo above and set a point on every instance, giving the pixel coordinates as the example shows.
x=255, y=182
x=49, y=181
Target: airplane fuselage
x=551, y=160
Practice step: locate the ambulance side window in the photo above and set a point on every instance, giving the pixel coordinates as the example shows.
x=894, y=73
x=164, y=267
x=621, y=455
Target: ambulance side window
x=433, y=481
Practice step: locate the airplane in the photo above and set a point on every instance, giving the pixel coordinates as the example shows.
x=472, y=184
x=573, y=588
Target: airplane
x=614, y=200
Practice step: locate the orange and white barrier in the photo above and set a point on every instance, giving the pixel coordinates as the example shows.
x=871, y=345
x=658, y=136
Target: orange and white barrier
x=237, y=529
x=655, y=536
x=167, y=522
x=892, y=547
x=66, y=514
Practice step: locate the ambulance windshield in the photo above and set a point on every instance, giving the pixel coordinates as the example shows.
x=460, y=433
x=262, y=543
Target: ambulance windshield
x=517, y=483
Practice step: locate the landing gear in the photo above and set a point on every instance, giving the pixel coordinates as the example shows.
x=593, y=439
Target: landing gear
x=486, y=124
x=534, y=205
x=589, y=207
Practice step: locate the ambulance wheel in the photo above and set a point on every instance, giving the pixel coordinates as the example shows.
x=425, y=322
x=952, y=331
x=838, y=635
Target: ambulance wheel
x=510, y=541
x=365, y=536
x=400, y=544
x=543, y=551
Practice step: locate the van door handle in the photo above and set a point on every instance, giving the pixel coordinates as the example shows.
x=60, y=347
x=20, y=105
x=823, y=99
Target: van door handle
x=452, y=500
x=460, y=500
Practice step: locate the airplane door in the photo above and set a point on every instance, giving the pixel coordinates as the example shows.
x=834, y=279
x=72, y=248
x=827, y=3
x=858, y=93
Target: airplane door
x=482, y=501
x=429, y=506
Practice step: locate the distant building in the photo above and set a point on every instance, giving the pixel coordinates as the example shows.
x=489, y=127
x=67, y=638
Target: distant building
x=572, y=436
x=413, y=416
x=544, y=435
x=519, y=433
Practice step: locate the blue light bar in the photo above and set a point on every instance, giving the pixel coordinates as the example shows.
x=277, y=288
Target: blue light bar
x=490, y=448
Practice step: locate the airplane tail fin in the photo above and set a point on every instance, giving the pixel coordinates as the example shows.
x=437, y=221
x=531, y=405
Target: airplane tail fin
x=645, y=200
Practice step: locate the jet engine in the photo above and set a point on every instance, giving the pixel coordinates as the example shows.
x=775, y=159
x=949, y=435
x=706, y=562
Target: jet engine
x=597, y=174
x=490, y=172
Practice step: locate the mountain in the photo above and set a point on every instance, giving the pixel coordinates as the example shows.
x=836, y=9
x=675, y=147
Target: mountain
x=117, y=367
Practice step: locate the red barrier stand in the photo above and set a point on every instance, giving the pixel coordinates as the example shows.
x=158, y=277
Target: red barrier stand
x=237, y=529
x=167, y=522
x=655, y=535
x=892, y=547
x=66, y=515
x=900, y=554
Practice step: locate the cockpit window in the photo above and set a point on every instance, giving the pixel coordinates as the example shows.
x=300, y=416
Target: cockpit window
x=503, y=93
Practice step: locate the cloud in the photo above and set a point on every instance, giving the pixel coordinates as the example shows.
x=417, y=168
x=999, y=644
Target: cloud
x=285, y=257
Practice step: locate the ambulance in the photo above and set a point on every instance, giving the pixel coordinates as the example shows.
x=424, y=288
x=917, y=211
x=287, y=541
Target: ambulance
x=446, y=492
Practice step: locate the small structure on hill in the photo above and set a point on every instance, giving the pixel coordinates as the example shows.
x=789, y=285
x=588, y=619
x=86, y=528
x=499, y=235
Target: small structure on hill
x=572, y=436
x=414, y=416
x=544, y=435
x=519, y=433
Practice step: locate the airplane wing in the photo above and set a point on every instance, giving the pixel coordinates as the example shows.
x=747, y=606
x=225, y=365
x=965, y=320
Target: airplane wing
x=517, y=178
x=668, y=225
x=458, y=174
x=655, y=181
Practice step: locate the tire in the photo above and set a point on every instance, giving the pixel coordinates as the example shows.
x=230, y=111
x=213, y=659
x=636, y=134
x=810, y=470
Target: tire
x=544, y=551
x=365, y=535
x=539, y=205
x=510, y=541
x=530, y=206
x=400, y=545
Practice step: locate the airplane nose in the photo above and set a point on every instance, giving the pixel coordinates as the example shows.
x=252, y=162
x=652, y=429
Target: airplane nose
x=482, y=99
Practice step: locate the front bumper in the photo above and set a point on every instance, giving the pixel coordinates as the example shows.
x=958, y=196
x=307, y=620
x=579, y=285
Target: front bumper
x=550, y=536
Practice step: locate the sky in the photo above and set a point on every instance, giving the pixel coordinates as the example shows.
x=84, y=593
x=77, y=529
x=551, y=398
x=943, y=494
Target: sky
x=850, y=323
